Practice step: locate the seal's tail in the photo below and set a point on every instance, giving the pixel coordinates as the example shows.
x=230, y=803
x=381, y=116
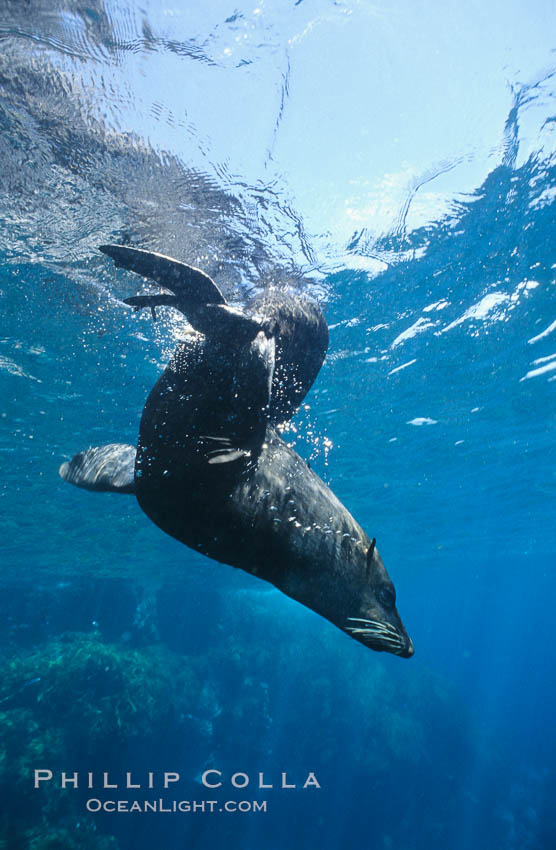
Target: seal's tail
x=107, y=469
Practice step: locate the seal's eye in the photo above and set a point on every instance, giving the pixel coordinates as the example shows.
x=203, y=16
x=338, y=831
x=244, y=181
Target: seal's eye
x=387, y=596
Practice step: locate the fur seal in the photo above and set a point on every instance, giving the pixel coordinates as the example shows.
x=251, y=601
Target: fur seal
x=211, y=469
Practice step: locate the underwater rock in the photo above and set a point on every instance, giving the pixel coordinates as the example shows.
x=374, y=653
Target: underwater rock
x=79, y=702
x=80, y=836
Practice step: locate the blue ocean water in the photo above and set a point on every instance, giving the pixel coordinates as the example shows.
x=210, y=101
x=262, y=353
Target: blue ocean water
x=432, y=419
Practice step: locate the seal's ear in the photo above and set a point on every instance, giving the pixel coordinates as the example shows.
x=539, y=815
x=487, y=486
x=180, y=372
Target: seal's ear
x=370, y=553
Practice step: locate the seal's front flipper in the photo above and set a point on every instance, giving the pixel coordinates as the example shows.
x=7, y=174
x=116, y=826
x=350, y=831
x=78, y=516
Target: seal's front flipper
x=107, y=469
x=222, y=450
x=301, y=334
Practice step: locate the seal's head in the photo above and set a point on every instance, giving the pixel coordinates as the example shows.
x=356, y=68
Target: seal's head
x=377, y=623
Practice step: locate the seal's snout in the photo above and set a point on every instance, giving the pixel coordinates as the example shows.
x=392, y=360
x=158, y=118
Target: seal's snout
x=380, y=636
x=409, y=650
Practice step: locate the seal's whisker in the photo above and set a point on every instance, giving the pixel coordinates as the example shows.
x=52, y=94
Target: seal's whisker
x=392, y=632
x=377, y=627
x=389, y=647
x=385, y=627
x=373, y=627
x=361, y=620
x=386, y=640
x=378, y=630
x=377, y=624
x=380, y=633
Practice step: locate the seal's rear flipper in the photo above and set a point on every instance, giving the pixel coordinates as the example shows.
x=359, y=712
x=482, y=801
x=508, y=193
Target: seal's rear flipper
x=195, y=294
x=191, y=286
x=152, y=301
x=107, y=469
